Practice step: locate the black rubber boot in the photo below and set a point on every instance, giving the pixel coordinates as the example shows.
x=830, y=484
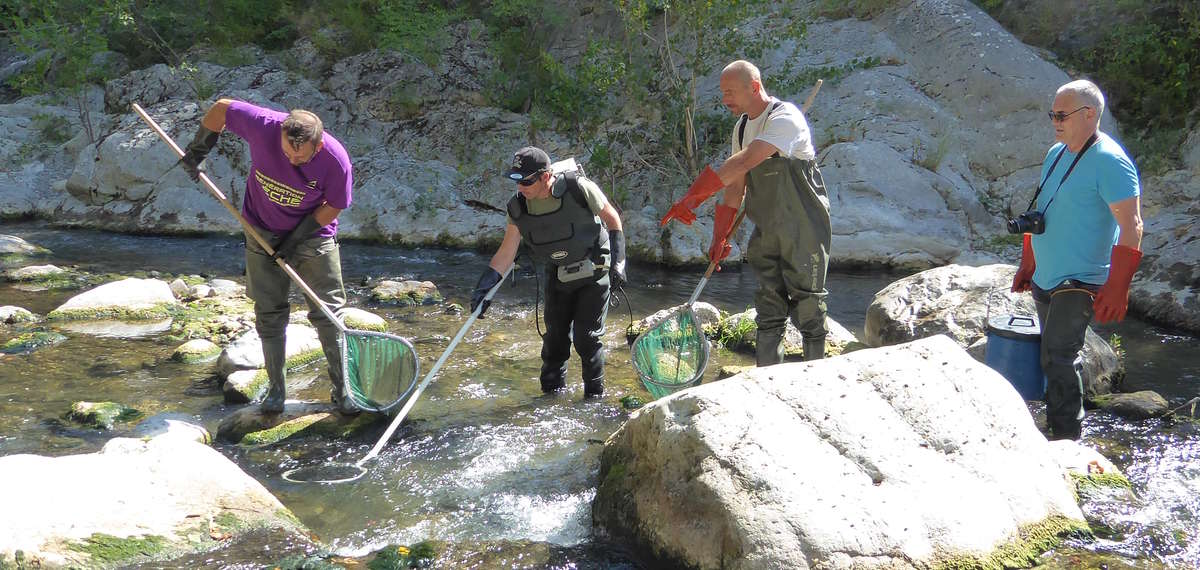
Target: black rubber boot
x=593, y=388
x=274, y=360
x=768, y=347
x=553, y=378
x=814, y=348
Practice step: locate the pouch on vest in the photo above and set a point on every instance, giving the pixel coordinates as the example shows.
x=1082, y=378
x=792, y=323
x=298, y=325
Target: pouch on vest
x=582, y=269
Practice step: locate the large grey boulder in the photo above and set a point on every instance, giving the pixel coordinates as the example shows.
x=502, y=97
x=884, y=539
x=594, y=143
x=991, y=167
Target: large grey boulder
x=166, y=496
x=956, y=301
x=902, y=457
x=245, y=353
x=127, y=299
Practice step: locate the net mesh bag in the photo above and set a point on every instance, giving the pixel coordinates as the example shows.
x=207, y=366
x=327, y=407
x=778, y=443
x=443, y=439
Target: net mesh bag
x=671, y=355
x=380, y=369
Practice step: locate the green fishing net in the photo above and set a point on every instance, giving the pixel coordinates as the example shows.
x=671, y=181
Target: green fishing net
x=671, y=355
x=380, y=369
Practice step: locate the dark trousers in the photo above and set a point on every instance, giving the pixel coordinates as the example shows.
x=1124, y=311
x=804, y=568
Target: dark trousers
x=318, y=262
x=574, y=312
x=1064, y=313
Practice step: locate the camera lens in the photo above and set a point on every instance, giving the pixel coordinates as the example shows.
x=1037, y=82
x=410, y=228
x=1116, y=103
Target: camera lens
x=1014, y=226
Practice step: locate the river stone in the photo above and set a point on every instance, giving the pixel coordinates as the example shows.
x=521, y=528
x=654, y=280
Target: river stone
x=954, y=300
x=245, y=353
x=196, y=350
x=174, y=426
x=227, y=288
x=900, y=457
x=182, y=492
x=33, y=272
x=101, y=415
x=298, y=419
x=10, y=314
x=10, y=244
x=708, y=315
x=244, y=386
x=118, y=329
x=127, y=299
x=180, y=288
x=406, y=293
x=1141, y=405
x=362, y=320
x=740, y=332
x=31, y=341
x=200, y=291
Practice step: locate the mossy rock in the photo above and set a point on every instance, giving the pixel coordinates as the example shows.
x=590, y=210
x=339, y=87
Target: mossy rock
x=105, y=549
x=195, y=351
x=1025, y=551
x=29, y=342
x=327, y=424
x=101, y=415
x=631, y=402
x=216, y=319
x=1093, y=484
x=397, y=557
x=406, y=293
x=155, y=313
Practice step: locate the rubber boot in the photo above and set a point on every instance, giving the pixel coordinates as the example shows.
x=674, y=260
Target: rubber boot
x=333, y=359
x=593, y=388
x=768, y=347
x=553, y=378
x=274, y=359
x=814, y=348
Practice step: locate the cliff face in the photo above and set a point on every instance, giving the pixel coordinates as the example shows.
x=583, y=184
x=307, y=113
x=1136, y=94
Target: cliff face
x=930, y=131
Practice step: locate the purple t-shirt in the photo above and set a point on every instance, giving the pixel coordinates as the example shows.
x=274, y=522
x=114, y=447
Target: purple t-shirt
x=279, y=194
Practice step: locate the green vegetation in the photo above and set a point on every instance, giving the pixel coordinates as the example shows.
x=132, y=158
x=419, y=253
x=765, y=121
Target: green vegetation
x=101, y=415
x=1025, y=551
x=29, y=342
x=1145, y=61
x=420, y=555
x=107, y=549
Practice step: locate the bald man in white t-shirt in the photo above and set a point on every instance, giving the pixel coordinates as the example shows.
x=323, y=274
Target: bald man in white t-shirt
x=773, y=167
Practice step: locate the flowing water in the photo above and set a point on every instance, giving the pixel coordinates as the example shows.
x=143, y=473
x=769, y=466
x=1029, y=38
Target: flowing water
x=484, y=458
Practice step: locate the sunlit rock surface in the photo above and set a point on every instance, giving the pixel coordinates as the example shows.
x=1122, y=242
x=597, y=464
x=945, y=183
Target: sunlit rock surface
x=901, y=457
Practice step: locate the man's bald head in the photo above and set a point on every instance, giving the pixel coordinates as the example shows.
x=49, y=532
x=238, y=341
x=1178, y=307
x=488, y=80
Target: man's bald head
x=742, y=71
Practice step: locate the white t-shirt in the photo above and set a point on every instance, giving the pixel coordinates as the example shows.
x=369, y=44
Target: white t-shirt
x=782, y=126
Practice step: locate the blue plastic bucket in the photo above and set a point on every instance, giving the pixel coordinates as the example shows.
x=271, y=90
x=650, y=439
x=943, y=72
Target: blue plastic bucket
x=1014, y=350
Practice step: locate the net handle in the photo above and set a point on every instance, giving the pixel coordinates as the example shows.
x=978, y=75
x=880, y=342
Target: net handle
x=412, y=400
x=220, y=196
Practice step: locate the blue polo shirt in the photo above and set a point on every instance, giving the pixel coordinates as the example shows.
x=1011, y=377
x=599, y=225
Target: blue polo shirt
x=1080, y=228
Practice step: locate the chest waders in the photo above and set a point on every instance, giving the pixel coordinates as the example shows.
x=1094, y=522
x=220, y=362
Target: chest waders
x=572, y=243
x=789, y=252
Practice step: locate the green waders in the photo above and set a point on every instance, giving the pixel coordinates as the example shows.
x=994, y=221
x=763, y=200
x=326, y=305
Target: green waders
x=319, y=264
x=789, y=252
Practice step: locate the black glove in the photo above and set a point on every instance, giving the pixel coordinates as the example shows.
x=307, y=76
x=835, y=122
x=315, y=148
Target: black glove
x=616, y=269
x=303, y=230
x=197, y=151
x=488, y=280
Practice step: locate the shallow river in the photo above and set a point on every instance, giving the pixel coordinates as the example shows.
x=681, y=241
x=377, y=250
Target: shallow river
x=484, y=458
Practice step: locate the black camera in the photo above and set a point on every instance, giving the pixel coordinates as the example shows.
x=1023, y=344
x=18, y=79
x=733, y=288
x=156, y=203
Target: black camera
x=1031, y=221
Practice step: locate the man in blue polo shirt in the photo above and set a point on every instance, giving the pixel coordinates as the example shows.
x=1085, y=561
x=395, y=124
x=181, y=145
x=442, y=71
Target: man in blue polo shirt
x=1089, y=250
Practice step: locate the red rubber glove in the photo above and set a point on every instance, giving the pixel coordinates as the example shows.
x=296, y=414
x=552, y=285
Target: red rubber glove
x=1113, y=297
x=1023, y=280
x=722, y=226
x=705, y=185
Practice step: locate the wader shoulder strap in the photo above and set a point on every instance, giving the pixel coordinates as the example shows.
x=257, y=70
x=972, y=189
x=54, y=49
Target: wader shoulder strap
x=746, y=119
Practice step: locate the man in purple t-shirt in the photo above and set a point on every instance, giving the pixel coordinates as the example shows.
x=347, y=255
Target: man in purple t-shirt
x=300, y=180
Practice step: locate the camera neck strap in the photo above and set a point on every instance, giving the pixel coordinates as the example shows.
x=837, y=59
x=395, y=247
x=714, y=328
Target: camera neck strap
x=1033, y=201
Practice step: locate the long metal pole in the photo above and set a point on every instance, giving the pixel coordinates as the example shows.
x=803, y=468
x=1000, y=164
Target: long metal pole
x=412, y=400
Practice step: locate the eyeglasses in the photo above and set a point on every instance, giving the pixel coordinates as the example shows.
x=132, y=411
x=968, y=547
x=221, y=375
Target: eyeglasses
x=1059, y=116
x=531, y=179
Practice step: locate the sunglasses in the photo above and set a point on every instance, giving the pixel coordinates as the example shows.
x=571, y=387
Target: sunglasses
x=1060, y=116
x=531, y=179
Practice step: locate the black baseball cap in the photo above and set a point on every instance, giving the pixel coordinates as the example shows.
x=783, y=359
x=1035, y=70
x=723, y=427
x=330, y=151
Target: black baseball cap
x=527, y=162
